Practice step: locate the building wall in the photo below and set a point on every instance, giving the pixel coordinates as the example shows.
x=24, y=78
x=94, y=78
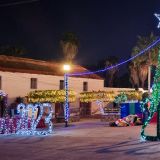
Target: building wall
x=18, y=84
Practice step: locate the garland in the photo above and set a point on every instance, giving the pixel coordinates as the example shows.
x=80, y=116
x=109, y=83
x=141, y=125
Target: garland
x=122, y=97
x=110, y=96
x=128, y=96
x=53, y=96
x=94, y=95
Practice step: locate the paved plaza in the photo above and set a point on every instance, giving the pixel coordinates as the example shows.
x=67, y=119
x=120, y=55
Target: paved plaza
x=85, y=140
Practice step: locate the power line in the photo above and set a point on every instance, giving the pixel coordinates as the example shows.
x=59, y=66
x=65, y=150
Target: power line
x=18, y=3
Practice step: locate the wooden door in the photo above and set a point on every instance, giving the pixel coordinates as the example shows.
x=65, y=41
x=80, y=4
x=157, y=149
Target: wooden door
x=85, y=109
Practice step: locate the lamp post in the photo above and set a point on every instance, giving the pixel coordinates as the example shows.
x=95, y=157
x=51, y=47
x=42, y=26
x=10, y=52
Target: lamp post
x=66, y=68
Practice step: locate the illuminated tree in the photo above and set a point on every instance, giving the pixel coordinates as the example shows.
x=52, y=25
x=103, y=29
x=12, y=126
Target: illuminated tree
x=154, y=100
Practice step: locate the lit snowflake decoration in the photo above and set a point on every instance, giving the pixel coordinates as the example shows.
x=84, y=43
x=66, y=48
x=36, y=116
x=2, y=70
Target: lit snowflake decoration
x=158, y=16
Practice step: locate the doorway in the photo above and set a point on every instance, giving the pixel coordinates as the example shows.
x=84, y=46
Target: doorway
x=85, y=109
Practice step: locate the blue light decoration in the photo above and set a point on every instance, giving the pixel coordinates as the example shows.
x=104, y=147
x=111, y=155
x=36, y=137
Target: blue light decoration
x=118, y=64
x=28, y=125
x=66, y=106
x=158, y=17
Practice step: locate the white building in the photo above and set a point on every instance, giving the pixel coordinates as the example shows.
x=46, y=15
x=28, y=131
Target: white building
x=19, y=76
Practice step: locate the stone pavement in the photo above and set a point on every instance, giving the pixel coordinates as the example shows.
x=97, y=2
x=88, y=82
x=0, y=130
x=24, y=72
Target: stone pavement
x=85, y=140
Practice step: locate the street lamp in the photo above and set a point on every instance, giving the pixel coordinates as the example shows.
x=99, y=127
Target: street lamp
x=66, y=68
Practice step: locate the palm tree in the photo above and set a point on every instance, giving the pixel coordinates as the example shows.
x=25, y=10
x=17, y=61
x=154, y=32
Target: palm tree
x=142, y=72
x=69, y=46
x=110, y=74
x=134, y=79
x=147, y=59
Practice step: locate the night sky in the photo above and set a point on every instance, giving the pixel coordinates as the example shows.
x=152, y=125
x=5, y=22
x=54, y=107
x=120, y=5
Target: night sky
x=104, y=27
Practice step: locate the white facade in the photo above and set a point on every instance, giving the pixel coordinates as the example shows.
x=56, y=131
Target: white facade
x=17, y=84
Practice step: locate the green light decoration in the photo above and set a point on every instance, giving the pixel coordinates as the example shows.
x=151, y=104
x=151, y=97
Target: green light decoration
x=154, y=100
x=122, y=97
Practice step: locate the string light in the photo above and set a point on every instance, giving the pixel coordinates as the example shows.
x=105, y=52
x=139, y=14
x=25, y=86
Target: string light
x=66, y=106
x=119, y=64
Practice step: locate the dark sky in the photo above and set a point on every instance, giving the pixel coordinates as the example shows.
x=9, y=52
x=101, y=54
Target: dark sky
x=104, y=27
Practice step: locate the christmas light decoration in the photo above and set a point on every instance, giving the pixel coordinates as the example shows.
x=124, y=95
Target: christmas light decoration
x=122, y=97
x=154, y=100
x=108, y=96
x=66, y=105
x=25, y=125
x=119, y=64
x=158, y=17
x=97, y=95
x=52, y=96
x=34, y=122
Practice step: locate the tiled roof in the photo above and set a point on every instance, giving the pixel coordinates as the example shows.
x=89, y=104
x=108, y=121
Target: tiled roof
x=26, y=65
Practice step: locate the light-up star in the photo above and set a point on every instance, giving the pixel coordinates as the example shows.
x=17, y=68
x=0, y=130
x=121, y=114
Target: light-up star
x=158, y=16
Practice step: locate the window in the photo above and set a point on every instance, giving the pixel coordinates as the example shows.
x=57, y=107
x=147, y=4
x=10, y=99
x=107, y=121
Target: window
x=0, y=82
x=33, y=83
x=61, y=84
x=85, y=86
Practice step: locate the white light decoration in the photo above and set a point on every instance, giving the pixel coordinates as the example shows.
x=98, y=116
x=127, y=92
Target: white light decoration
x=28, y=125
x=34, y=122
x=158, y=16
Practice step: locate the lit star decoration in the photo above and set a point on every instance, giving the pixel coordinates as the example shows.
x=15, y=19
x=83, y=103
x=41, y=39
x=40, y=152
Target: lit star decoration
x=158, y=16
